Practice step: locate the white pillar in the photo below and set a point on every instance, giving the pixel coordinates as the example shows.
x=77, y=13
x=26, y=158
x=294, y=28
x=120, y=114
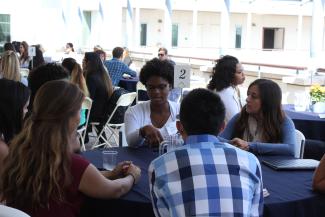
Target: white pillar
x=317, y=29
x=248, y=30
x=129, y=29
x=299, y=28
x=224, y=30
x=168, y=29
x=137, y=27
x=194, y=26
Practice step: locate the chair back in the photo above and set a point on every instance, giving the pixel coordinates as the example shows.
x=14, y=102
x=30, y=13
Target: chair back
x=86, y=105
x=300, y=144
x=6, y=211
x=125, y=100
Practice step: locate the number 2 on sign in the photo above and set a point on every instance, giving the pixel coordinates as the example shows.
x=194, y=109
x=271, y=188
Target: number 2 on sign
x=182, y=75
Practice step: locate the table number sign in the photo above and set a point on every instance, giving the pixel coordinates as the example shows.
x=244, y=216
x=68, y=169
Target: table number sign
x=31, y=51
x=182, y=74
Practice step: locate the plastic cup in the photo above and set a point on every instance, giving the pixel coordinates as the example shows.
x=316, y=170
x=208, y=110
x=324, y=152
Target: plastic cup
x=109, y=159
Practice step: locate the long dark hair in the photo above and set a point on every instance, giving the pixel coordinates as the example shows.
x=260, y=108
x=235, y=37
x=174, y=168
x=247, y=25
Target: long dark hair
x=223, y=73
x=271, y=109
x=13, y=97
x=42, y=149
x=94, y=65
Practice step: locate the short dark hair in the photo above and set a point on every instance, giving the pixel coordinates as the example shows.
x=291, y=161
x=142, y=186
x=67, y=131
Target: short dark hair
x=13, y=97
x=158, y=68
x=69, y=63
x=43, y=74
x=9, y=46
x=117, y=52
x=223, y=73
x=163, y=49
x=202, y=112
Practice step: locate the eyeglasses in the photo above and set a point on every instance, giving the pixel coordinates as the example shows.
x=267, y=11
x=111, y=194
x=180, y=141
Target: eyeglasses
x=161, y=54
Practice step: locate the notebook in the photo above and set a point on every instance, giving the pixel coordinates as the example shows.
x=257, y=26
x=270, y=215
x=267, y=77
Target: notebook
x=291, y=164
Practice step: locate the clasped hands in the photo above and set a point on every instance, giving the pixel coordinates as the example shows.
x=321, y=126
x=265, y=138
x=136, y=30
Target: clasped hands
x=123, y=169
x=242, y=144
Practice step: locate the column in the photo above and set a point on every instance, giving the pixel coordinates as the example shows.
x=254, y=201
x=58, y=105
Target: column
x=194, y=26
x=224, y=29
x=168, y=25
x=316, y=43
x=137, y=27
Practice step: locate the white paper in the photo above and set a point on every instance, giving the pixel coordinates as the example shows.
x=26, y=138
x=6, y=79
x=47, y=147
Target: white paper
x=182, y=75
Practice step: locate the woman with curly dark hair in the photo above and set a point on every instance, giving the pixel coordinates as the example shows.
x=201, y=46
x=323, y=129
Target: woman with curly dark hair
x=227, y=75
x=149, y=122
x=262, y=127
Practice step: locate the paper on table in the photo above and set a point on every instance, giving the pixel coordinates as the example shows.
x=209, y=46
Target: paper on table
x=265, y=193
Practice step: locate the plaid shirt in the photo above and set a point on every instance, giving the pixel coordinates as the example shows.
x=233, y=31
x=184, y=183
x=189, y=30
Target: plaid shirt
x=116, y=69
x=206, y=178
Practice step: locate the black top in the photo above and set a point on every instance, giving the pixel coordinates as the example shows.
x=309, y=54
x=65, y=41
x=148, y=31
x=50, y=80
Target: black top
x=99, y=95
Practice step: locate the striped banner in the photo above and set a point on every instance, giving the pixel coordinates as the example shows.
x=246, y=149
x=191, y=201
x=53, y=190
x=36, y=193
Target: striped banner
x=169, y=7
x=130, y=9
x=100, y=9
x=227, y=3
x=80, y=14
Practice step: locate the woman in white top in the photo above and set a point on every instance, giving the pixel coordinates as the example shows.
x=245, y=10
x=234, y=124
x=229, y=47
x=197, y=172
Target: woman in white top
x=227, y=74
x=149, y=122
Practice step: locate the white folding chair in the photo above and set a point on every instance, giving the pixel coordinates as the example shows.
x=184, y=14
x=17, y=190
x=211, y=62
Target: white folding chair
x=112, y=130
x=6, y=211
x=86, y=105
x=300, y=144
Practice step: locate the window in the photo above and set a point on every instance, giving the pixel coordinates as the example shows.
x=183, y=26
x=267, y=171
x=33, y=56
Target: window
x=238, y=36
x=4, y=30
x=143, y=34
x=273, y=38
x=175, y=35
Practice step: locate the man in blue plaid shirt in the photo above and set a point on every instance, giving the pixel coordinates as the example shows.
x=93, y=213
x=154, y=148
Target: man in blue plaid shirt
x=205, y=177
x=116, y=68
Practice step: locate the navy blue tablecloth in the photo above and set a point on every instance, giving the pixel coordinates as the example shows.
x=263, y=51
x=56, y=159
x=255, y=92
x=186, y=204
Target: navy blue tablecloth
x=290, y=191
x=310, y=124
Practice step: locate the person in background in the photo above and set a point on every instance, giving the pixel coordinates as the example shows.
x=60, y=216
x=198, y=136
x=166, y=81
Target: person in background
x=14, y=99
x=9, y=46
x=126, y=57
x=102, y=55
x=205, y=177
x=38, y=59
x=77, y=78
x=24, y=57
x=175, y=93
x=319, y=177
x=69, y=48
x=149, y=122
x=227, y=75
x=10, y=68
x=116, y=68
x=97, y=47
x=163, y=55
x=100, y=88
x=61, y=179
x=41, y=75
x=262, y=126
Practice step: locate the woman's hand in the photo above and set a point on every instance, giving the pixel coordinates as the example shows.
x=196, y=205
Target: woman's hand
x=135, y=172
x=119, y=171
x=242, y=144
x=151, y=135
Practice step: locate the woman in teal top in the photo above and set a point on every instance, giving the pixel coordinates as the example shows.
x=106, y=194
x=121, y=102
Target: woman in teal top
x=77, y=78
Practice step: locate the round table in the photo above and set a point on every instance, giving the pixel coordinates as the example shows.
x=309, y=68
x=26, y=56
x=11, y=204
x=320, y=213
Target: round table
x=290, y=191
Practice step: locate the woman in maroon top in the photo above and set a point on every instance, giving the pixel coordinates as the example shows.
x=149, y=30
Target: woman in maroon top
x=41, y=175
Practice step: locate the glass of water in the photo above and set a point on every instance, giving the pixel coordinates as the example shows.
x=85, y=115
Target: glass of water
x=170, y=143
x=109, y=160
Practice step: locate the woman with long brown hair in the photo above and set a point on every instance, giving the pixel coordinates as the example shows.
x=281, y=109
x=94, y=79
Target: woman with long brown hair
x=24, y=57
x=99, y=85
x=41, y=175
x=262, y=127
